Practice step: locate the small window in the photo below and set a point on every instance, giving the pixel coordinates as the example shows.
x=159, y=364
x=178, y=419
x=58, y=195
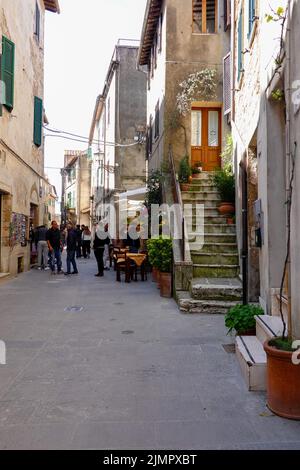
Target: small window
x=205, y=16
x=37, y=30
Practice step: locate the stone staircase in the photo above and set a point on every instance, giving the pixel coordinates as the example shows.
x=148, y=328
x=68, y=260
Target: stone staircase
x=215, y=286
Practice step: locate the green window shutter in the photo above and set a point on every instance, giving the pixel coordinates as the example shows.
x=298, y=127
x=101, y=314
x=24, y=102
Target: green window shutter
x=8, y=71
x=38, y=121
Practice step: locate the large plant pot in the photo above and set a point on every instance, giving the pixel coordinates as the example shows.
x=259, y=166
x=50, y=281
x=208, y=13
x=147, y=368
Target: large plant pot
x=197, y=176
x=184, y=186
x=155, y=273
x=283, y=383
x=166, y=285
x=226, y=208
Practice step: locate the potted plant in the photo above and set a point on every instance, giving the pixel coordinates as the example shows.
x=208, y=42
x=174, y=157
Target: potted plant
x=283, y=367
x=241, y=318
x=165, y=256
x=153, y=256
x=184, y=174
x=196, y=172
x=224, y=181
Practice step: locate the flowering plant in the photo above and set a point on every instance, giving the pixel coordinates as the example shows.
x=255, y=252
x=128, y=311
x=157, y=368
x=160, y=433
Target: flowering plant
x=198, y=85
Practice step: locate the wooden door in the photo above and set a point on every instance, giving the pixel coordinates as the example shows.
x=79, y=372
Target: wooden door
x=206, y=137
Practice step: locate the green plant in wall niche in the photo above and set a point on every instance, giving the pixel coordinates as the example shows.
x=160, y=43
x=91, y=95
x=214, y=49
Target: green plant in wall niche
x=278, y=94
x=227, y=154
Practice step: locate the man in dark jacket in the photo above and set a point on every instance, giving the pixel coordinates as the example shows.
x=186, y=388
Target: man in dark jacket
x=71, y=250
x=53, y=238
x=101, y=239
x=78, y=241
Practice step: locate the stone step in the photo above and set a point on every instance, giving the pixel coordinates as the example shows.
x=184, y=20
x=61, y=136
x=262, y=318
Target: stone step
x=268, y=327
x=200, y=196
x=215, y=258
x=203, y=187
x=213, y=228
x=216, y=289
x=215, y=270
x=204, y=175
x=211, y=237
x=189, y=305
x=253, y=361
x=4, y=277
x=212, y=219
x=213, y=247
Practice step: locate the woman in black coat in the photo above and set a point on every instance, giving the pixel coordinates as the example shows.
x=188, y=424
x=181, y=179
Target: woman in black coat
x=101, y=239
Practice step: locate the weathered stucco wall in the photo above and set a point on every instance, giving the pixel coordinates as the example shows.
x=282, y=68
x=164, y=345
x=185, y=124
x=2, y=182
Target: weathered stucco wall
x=131, y=109
x=21, y=162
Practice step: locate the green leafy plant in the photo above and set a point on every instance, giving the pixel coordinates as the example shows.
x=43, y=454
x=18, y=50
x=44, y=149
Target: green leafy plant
x=185, y=170
x=224, y=181
x=160, y=253
x=195, y=170
x=242, y=318
x=154, y=185
x=278, y=94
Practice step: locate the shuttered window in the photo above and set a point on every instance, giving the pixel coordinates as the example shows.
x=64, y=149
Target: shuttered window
x=205, y=16
x=252, y=13
x=240, y=45
x=227, y=14
x=38, y=121
x=227, y=83
x=7, y=72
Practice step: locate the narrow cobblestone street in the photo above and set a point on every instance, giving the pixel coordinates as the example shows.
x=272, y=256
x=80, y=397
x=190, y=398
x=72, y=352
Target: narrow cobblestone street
x=128, y=371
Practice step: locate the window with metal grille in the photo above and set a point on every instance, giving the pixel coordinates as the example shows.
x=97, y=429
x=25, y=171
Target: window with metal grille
x=205, y=16
x=227, y=83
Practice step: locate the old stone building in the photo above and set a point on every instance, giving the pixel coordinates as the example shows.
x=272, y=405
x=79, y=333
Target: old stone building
x=76, y=188
x=23, y=187
x=118, y=129
x=180, y=39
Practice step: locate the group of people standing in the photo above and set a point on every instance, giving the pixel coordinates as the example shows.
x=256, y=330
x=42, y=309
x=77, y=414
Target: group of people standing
x=78, y=240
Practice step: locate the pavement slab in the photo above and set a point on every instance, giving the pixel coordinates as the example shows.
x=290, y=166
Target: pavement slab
x=95, y=364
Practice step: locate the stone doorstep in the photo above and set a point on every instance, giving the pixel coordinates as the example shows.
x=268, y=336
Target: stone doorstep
x=4, y=277
x=189, y=305
x=216, y=288
x=253, y=361
x=268, y=327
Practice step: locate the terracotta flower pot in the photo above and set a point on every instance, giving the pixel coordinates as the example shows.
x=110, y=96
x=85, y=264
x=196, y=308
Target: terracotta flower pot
x=230, y=221
x=184, y=186
x=158, y=278
x=226, y=208
x=166, y=285
x=197, y=176
x=155, y=273
x=283, y=383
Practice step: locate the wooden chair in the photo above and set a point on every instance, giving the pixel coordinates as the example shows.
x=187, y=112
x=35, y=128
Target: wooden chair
x=124, y=265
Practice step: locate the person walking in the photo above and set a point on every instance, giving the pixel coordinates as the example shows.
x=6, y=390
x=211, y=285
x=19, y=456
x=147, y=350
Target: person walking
x=106, y=255
x=71, y=249
x=86, y=242
x=42, y=247
x=78, y=241
x=101, y=239
x=53, y=238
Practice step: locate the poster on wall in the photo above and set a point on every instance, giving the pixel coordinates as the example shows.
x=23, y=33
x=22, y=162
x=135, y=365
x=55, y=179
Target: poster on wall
x=19, y=226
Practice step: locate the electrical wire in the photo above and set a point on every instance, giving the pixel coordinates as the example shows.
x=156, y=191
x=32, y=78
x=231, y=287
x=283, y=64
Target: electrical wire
x=82, y=139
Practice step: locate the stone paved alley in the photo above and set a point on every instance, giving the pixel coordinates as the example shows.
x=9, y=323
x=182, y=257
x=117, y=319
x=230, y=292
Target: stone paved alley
x=127, y=372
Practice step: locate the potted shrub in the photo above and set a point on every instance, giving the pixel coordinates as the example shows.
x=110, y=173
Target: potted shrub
x=224, y=181
x=184, y=174
x=153, y=256
x=241, y=318
x=165, y=256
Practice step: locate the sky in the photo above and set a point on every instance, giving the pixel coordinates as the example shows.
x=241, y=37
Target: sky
x=79, y=44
